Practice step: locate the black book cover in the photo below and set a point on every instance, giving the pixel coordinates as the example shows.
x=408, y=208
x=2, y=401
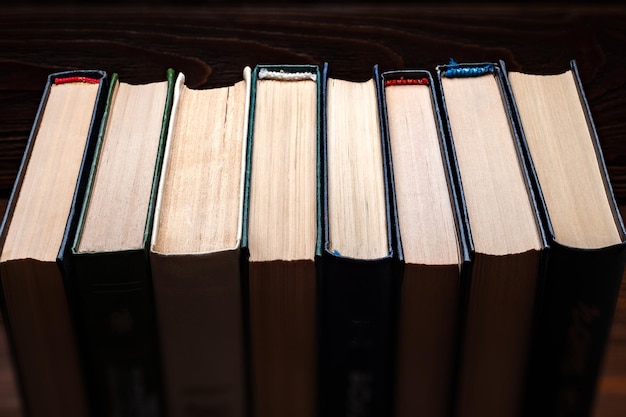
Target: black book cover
x=576, y=303
x=76, y=206
x=357, y=302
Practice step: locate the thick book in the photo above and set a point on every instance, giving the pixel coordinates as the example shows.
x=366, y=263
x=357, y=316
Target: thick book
x=108, y=266
x=507, y=243
x=40, y=218
x=195, y=251
x=586, y=237
x=430, y=243
x=358, y=271
x=281, y=239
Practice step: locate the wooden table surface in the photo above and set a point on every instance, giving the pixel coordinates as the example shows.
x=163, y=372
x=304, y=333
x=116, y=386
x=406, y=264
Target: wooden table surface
x=212, y=45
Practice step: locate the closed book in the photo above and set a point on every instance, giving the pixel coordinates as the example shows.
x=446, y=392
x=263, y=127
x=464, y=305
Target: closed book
x=431, y=244
x=358, y=271
x=41, y=216
x=195, y=251
x=281, y=239
x=586, y=237
x=507, y=243
x=109, y=265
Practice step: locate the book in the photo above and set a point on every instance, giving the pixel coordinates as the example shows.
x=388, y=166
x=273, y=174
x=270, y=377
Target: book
x=195, y=251
x=358, y=273
x=586, y=237
x=280, y=239
x=34, y=240
x=507, y=243
x=430, y=243
x=109, y=265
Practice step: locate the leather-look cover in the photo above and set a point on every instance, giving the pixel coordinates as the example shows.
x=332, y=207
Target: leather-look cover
x=357, y=309
x=79, y=191
x=115, y=293
x=577, y=303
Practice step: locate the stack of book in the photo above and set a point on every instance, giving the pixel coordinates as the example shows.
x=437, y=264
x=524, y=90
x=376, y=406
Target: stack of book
x=421, y=243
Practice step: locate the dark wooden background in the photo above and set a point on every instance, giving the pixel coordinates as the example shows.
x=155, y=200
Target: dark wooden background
x=212, y=45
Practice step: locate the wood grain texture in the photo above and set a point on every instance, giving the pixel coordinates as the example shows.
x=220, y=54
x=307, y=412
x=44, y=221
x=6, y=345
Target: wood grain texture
x=212, y=45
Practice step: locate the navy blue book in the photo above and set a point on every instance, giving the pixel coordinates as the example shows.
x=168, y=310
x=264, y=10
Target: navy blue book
x=506, y=241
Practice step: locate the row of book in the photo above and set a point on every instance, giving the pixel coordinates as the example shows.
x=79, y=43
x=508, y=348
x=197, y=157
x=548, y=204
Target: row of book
x=300, y=245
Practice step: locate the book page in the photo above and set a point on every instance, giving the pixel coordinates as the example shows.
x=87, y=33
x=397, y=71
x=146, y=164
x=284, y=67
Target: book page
x=502, y=219
x=117, y=209
x=356, y=194
x=283, y=184
x=200, y=197
x=425, y=216
x=45, y=198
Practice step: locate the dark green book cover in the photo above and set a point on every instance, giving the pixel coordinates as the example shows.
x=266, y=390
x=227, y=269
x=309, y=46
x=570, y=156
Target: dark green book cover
x=114, y=306
x=282, y=341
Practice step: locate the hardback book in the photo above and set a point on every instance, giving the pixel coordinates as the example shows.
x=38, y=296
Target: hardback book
x=108, y=266
x=281, y=239
x=358, y=273
x=430, y=243
x=34, y=239
x=507, y=243
x=195, y=251
x=586, y=237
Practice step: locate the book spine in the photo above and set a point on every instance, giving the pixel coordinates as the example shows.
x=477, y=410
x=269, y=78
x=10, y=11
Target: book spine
x=198, y=302
x=577, y=308
x=356, y=319
x=118, y=333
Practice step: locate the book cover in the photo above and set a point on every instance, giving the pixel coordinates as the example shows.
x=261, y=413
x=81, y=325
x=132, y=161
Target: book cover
x=114, y=312
x=40, y=333
x=578, y=299
x=281, y=238
x=430, y=241
x=506, y=241
x=357, y=298
x=197, y=288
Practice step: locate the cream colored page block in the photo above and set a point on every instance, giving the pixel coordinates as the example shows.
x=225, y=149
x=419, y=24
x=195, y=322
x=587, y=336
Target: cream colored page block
x=427, y=225
x=283, y=188
x=199, y=209
x=565, y=159
x=45, y=198
x=500, y=212
x=118, y=205
x=356, y=198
